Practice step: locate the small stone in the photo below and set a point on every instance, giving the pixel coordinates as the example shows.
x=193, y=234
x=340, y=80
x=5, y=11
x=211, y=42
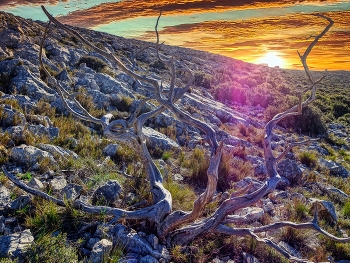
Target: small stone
x=148, y=259
x=153, y=240
x=58, y=183
x=92, y=241
x=100, y=249
x=36, y=184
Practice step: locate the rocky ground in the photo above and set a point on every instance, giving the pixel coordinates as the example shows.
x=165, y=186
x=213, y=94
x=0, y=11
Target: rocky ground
x=41, y=144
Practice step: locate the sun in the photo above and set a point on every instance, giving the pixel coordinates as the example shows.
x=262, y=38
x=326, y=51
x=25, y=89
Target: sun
x=272, y=59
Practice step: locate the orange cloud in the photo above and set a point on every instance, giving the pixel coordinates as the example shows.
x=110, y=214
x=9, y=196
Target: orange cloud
x=109, y=12
x=249, y=40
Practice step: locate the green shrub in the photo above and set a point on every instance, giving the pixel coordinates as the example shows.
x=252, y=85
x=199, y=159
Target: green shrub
x=346, y=209
x=167, y=155
x=94, y=63
x=202, y=79
x=308, y=158
x=310, y=122
x=51, y=249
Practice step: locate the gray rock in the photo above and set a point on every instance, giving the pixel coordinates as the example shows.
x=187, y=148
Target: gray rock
x=20, y=202
x=14, y=245
x=58, y=152
x=283, y=183
x=334, y=168
x=148, y=259
x=35, y=183
x=4, y=198
x=111, y=149
x=256, y=184
x=289, y=169
x=92, y=241
x=41, y=130
x=30, y=155
x=109, y=192
x=289, y=249
x=153, y=240
x=63, y=76
x=248, y=258
x=100, y=250
x=250, y=214
x=71, y=191
x=135, y=243
x=58, y=183
x=27, y=83
x=109, y=85
x=157, y=139
x=24, y=101
x=325, y=209
x=11, y=116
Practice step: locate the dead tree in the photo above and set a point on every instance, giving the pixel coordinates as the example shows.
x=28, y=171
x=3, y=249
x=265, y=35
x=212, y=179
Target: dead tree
x=182, y=227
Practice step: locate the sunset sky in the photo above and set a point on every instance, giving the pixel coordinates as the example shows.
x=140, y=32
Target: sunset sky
x=254, y=31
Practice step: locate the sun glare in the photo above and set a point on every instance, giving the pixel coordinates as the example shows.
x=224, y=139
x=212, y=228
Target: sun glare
x=272, y=59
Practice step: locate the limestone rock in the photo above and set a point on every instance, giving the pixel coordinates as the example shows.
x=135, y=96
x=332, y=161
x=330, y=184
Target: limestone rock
x=71, y=191
x=14, y=245
x=30, y=155
x=4, y=198
x=35, y=183
x=58, y=183
x=290, y=170
x=109, y=192
x=148, y=259
x=58, y=152
x=111, y=149
x=325, y=209
x=334, y=168
x=100, y=250
x=248, y=258
x=10, y=116
x=289, y=249
x=157, y=139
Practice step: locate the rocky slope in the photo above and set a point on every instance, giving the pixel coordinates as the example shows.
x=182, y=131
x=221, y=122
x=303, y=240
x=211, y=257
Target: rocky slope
x=36, y=147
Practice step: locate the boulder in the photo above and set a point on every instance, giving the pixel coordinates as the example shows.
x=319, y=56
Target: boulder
x=136, y=244
x=256, y=184
x=107, y=193
x=58, y=183
x=35, y=183
x=30, y=155
x=148, y=259
x=334, y=168
x=14, y=245
x=41, y=130
x=58, y=152
x=248, y=258
x=289, y=169
x=10, y=116
x=71, y=191
x=159, y=140
x=325, y=209
x=5, y=199
x=250, y=214
x=291, y=250
x=111, y=149
x=20, y=202
x=100, y=250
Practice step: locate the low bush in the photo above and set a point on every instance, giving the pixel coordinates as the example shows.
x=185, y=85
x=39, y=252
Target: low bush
x=308, y=158
x=94, y=63
x=53, y=250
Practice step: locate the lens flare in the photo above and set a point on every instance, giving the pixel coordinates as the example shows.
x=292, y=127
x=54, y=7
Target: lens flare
x=272, y=59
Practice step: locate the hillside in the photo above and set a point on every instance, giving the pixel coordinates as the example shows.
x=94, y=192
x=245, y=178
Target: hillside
x=44, y=146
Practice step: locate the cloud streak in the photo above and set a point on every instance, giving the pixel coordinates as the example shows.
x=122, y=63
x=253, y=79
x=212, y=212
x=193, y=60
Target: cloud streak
x=242, y=29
